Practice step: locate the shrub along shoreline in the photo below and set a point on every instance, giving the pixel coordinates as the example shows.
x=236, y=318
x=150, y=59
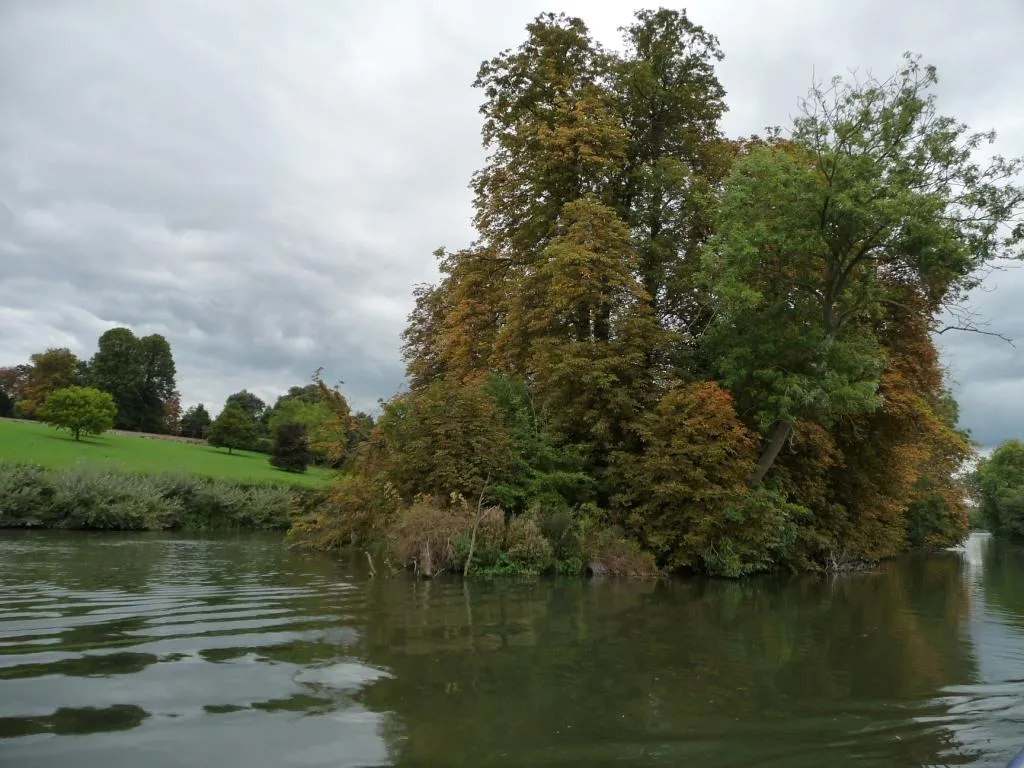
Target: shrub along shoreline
x=85, y=497
x=433, y=535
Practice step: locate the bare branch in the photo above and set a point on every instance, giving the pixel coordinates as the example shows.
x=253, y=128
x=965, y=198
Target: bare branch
x=969, y=329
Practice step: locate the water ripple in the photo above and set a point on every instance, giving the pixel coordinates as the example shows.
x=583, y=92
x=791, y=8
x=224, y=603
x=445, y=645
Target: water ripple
x=195, y=630
x=164, y=651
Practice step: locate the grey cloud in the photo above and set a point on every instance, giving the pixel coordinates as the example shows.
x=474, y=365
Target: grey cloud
x=987, y=372
x=264, y=181
x=246, y=179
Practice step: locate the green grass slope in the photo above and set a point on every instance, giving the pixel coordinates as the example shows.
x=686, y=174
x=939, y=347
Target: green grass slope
x=38, y=444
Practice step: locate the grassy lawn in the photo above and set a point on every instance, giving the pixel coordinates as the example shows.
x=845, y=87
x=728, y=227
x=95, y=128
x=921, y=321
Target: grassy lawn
x=39, y=444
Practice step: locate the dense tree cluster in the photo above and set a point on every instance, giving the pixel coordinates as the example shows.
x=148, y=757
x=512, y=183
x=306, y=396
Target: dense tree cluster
x=666, y=348
x=311, y=424
x=138, y=373
x=717, y=352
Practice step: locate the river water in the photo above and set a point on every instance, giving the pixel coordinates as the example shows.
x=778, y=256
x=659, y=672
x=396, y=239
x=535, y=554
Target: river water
x=158, y=651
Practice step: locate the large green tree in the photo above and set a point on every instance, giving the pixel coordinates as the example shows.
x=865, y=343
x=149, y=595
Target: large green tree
x=298, y=411
x=251, y=404
x=875, y=199
x=117, y=368
x=158, y=382
x=670, y=101
x=324, y=413
x=139, y=373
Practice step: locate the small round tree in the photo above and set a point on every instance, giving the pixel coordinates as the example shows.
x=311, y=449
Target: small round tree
x=291, y=449
x=80, y=410
x=233, y=428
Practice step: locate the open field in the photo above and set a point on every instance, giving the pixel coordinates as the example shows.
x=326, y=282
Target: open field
x=34, y=443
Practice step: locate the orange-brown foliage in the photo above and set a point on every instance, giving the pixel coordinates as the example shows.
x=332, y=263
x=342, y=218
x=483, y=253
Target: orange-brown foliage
x=901, y=452
x=695, y=457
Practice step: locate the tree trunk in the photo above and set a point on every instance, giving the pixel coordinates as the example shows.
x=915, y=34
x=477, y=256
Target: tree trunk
x=78, y=434
x=780, y=434
x=476, y=524
x=229, y=450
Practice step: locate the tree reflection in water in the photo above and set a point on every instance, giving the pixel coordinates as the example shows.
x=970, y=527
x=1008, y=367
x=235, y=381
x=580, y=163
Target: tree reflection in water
x=770, y=671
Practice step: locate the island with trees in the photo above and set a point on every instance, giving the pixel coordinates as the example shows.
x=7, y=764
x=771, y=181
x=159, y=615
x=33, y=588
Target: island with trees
x=667, y=350
x=672, y=350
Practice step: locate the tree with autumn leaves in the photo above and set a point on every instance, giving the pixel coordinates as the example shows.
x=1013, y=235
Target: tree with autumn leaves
x=731, y=341
x=47, y=372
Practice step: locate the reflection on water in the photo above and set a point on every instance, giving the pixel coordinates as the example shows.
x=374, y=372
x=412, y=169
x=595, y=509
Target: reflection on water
x=163, y=651
x=988, y=712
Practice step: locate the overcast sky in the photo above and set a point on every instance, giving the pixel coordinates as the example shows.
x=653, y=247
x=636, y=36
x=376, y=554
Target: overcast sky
x=263, y=181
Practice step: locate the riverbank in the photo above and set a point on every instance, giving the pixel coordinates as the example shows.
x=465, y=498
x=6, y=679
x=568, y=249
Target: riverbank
x=87, y=497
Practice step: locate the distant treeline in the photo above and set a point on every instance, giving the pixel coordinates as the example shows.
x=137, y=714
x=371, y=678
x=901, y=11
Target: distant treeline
x=139, y=375
x=137, y=372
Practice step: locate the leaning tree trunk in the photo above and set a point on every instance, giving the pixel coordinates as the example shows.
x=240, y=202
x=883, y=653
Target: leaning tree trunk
x=476, y=524
x=780, y=434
